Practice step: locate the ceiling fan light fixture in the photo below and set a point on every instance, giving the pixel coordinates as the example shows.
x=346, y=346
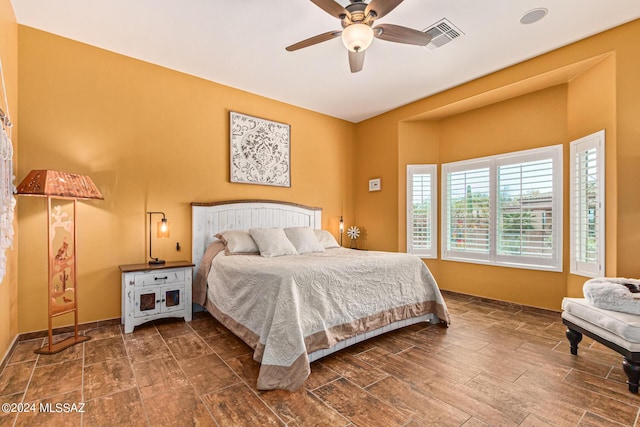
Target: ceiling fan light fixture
x=357, y=37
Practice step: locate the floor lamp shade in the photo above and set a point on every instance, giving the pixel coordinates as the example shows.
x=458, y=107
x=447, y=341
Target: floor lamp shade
x=62, y=191
x=58, y=184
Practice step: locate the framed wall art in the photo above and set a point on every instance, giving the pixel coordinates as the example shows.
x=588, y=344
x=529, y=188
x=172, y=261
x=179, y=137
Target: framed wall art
x=375, y=184
x=260, y=151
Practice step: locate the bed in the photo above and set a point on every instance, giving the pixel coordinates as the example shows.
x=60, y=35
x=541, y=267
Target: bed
x=292, y=310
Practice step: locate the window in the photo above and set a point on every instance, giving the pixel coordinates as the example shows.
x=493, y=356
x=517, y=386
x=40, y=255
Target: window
x=422, y=220
x=467, y=210
x=505, y=209
x=587, y=205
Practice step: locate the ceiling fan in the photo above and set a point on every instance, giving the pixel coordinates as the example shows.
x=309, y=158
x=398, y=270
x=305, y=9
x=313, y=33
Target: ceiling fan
x=357, y=33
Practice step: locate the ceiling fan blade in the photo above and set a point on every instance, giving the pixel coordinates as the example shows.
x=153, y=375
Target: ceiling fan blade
x=314, y=40
x=381, y=7
x=399, y=34
x=356, y=61
x=332, y=8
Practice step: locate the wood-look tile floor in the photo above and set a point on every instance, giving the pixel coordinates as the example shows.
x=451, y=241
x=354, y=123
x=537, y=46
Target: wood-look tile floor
x=497, y=365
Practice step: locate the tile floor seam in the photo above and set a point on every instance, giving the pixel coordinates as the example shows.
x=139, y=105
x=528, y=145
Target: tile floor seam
x=376, y=381
x=611, y=371
x=111, y=393
x=24, y=395
x=208, y=410
x=133, y=371
x=273, y=411
x=200, y=395
x=82, y=382
x=224, y=362
x=323, y=402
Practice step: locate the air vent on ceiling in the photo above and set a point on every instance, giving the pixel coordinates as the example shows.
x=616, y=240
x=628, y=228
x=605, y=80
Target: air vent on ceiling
x=442, y=32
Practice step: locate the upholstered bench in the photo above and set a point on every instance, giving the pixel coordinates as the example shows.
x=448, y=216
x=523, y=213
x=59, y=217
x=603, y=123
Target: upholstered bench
x=616, y=330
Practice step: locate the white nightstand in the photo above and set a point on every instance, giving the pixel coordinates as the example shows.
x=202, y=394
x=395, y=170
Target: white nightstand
x=152, y=292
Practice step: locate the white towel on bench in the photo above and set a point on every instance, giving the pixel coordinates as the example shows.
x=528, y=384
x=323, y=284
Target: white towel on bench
x=609, y=293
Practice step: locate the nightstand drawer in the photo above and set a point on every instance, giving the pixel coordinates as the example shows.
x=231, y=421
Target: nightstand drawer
x=159, y=277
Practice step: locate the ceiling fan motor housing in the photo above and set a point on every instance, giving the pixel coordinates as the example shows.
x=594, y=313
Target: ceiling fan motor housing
x=357, y=15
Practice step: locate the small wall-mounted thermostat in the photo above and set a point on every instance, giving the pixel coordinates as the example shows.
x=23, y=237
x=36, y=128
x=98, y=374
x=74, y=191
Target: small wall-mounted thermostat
x=374, y=185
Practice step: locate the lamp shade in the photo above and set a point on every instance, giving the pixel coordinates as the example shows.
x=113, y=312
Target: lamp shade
x=163, y=229
x=357, y=37
x=60, y=184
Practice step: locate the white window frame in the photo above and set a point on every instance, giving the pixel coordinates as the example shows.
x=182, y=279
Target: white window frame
x=554, y=263
x=431, y=170
x=577, y=266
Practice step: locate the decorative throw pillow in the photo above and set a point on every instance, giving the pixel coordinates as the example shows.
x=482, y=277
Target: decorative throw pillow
x=238, y=242
x=326, y=239
x=304, y=239
x=272, y=242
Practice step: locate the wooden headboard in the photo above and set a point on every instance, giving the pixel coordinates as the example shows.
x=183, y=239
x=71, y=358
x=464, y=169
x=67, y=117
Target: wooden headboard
x=208, y=219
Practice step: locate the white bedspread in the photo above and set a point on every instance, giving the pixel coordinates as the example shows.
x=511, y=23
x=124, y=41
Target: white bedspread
x=286, y=300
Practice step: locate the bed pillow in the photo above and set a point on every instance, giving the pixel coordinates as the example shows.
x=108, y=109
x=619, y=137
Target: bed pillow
x=238, y=242
x=272, y=242
x=326, y=239
x=304, y=239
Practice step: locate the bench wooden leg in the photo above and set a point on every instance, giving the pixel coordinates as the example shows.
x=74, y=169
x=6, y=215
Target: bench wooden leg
x=630, y=361
x=632, y=369
x=574, y=338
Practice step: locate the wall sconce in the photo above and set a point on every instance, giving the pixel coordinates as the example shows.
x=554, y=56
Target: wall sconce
x=62, y=191
x=341, y=229
x=161, y=233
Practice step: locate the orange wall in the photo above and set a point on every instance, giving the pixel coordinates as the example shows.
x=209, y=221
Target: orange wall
x=525, y=122
x=151, y=139
x=418, y=143
x=9, y=284
x=592, y=107
x=548, y=100
x=627, y=155
x=377, y=157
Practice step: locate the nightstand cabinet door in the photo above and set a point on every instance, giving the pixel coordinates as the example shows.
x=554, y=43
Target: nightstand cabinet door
x=147, y=302
x=172, y=298
x=150, y=293
x=151, y=301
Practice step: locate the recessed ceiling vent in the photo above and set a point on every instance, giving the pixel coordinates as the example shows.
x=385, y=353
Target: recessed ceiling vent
x=442, y=32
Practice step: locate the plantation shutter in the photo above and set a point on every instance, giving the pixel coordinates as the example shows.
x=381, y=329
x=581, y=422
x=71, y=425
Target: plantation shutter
x=421, y=210
x=525, y=209
x=467, y=199
x=587, y=205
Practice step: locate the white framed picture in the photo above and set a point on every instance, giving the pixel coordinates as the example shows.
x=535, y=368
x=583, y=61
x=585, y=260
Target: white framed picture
x=259, y=150
x=375, y=185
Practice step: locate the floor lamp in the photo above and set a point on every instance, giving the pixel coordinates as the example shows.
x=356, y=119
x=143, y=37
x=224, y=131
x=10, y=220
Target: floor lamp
x=61, y=190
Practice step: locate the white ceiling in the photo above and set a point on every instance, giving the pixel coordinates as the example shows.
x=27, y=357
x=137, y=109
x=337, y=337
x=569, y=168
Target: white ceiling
x=240, y=43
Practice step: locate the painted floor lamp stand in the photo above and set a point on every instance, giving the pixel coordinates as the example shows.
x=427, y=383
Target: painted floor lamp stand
x=62, y=273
